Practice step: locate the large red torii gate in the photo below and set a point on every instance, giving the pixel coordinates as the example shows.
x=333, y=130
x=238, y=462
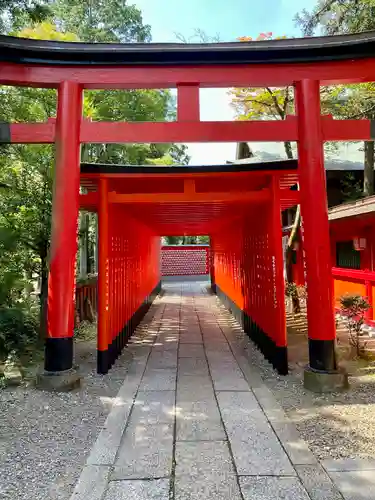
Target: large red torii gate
x=241, y=273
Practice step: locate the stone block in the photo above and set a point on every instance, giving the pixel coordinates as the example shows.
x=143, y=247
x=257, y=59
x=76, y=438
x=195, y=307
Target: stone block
x=272, y=488
x=154, y=407
x=92, y=483
x=317, y=483
x=199, y=458
x=194, y=429
x=219, y=486
x=191, y=351
x=157, y=489
x=63, y=381
x=146, y=451
x=348, y=464
x=322, y=382
x=158, y=380
x=192, y=366
x=355, y=485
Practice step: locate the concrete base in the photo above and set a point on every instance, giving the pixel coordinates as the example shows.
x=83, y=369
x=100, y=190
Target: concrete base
x=320, y=382
x=58, y=381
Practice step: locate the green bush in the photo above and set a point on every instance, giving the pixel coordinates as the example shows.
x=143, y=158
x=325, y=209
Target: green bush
x=18, y=329
x=353, y=308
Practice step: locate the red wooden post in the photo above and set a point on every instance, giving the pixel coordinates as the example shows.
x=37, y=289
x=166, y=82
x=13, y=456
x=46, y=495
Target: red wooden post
x=281, y=354
x=212, y=264
x=103, y=277
x=59, y=341
x=369, y=313
x=320, y=310
x=188, y=103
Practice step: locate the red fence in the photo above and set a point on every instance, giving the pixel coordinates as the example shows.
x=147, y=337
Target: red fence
x=353, y=282
x=249, y=279
x=185, y=260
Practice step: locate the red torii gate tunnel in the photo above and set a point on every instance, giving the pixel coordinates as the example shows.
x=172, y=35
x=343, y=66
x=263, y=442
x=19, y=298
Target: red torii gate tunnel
x=239, y=207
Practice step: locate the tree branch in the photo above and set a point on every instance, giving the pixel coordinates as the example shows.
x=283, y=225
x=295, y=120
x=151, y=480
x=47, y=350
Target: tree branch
x=277, y=105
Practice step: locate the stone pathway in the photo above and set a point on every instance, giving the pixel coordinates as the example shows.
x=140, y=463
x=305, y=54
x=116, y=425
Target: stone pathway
x=193, y=421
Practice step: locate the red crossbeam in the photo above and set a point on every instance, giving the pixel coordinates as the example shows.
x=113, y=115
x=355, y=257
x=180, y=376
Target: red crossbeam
x=193, y=131
x=210, y=76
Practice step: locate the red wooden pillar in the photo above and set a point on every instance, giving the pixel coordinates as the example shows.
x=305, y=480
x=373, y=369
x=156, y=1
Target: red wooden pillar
x=212, y=264
x=320, y=308
x=59, y=341
x=281, y=352
x=103, y=358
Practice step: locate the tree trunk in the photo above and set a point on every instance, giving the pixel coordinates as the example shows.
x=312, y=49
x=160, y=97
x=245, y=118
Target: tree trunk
x=83, y=244
x=292, y=238
x=288, y=150
x=288, y=256
x=368, y=172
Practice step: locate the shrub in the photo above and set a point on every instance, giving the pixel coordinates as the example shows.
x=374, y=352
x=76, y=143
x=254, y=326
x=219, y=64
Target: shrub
x=18, y=329
x=353, y=308
x=296, y=293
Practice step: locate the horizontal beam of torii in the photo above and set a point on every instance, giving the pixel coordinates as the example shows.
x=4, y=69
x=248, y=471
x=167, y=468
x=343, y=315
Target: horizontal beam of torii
x=188, y=131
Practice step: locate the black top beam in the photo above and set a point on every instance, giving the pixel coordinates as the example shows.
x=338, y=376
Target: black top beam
x=101, y=168
x=295, y=50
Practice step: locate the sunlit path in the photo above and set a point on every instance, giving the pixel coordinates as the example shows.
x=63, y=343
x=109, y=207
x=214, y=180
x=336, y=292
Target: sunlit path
x=192, y=421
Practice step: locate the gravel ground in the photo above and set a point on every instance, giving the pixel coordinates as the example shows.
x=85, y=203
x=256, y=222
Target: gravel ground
x=338, y=425
x=45, y=437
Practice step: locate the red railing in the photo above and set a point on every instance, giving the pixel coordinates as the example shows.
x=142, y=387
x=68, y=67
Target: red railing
x=192, y=260
x=354, y=282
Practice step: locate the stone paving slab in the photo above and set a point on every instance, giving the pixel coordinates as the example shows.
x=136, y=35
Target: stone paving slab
x=154, y=407
x=191, y=351
x=138, y=490
x=192, y=366
x=108, y=441
x=198, y=420
x=296, y=448
x=218, y=486
x=195, y=429
x=273, y=488
x=191, y=339
x=230, y=383
x=317, y=483
x=86, y=488
x=261, y=454
x=158, y=380
x=256, y=449
x=348, y=464
x=145, y=452
x=355, y=485
x=204, y=470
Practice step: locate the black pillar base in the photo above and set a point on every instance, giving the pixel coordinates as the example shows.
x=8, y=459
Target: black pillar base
x=323, y=375
x=58, y=354
x=59, y=374
x=276, y=355
x=322, y=355
x=102, y=362
x=105, y=359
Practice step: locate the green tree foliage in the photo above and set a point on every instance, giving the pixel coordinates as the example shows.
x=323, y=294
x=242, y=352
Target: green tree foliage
x=102, y=20
x=26, y=171
x=187, y=240
x=15, y=14
x=264, y=103
x=334, y=17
